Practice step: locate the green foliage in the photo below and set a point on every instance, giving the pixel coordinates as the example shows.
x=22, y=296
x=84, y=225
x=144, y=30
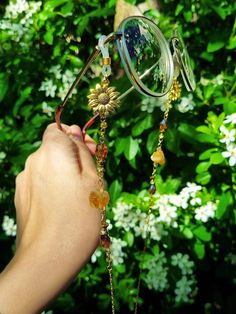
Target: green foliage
x=191, y=249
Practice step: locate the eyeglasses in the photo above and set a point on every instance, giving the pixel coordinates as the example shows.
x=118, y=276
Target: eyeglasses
x=147, y=60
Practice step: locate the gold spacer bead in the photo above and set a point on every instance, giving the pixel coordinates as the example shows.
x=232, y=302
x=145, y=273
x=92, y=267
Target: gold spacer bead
x=106, y=61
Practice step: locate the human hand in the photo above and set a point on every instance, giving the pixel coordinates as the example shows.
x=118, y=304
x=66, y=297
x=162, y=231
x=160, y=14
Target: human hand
x=57, y=230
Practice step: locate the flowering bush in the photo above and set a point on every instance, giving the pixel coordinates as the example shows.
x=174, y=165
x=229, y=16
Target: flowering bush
x=190, y=261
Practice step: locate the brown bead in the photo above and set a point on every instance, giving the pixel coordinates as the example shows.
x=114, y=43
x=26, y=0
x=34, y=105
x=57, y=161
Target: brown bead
x=163, y=125
x=101, y=151
x=99, y=199
x=152, y=189
x=158, y=157
x=105, y=241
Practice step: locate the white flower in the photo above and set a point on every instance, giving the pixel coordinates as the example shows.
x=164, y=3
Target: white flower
x=56, y=70
x=167, y=214
x=9, y=226
x=184, y=290
x=124, y=216
x=47, y=109
x=96, y=255
x=231, y=154
x=229, y=135
x=67, y=79
x=18, y=19
x=183, y=262
x=186, y=104
x=195, y=201
x=48, y=87
x=150, y=103
x=116, y=251
x=14, y=8
x=230, y=118
x=156, y=278
x=205, y=212
x=218, y=80
x=190, y=190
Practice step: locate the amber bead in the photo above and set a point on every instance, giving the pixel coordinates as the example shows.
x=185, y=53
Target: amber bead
x=101, y=151
x=163, y=125
x=105, y=241
x=152, y=189
x=158, y=157
x=99, y=199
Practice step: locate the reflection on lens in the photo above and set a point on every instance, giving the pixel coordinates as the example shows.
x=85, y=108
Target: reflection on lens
x=146, y=56
x=184, y=61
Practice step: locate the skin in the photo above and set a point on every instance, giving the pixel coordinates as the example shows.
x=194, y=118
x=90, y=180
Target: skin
x=57, y=229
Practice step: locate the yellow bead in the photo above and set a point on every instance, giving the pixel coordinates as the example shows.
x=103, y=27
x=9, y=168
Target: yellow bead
x=158, y=157
x=99, y=199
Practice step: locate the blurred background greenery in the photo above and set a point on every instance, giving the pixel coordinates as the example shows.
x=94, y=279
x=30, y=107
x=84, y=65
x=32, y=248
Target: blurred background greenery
x=191, y=260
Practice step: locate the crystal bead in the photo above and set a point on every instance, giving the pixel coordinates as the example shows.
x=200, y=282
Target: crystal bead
x=163, y=125
x=152, y=189
x=105, y=241
x=158, y=157
x=99, y=199
x=101, y=151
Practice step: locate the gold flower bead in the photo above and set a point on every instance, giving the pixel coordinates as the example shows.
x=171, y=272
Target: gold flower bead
x=103, y=100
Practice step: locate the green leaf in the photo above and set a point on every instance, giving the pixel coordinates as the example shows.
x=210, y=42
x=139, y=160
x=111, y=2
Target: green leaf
x=220, y=11
x=232, y=43
x=188, y=131
x=207, y=153
x=188, y=16
x=178, y=9
x=187, y=233
x=115, y=190
x=222, y=207
x=48, y=37
x=119, y=146
x=203, y=167
x=199, y=249
x=207, y=56
x=3, y=85
x=203, y=129
x=214, y=46
x=50, y=5
x=75, y=61
x=133, y=163
x=24, y=94
x=67, y=9
x=172, y=141
x=202, y=233
x=131, y=148
x=152, y=141
x=206, y=138
x=203, y=178
x=129, y=238
x=120, y=268
x=142, y=125
x=216, y=158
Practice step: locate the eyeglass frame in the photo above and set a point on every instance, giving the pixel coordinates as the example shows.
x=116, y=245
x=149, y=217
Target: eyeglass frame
x=118, y=36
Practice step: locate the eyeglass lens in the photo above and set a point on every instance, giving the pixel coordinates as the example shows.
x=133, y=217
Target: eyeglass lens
x=147, y=54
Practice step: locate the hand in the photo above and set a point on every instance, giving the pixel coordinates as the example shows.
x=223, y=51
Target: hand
x=57, y=230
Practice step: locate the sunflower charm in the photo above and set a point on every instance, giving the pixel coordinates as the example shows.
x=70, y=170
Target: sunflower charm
x=103, y=100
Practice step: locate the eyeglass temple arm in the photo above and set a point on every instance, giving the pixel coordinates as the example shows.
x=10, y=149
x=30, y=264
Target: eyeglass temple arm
x=92, y=57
